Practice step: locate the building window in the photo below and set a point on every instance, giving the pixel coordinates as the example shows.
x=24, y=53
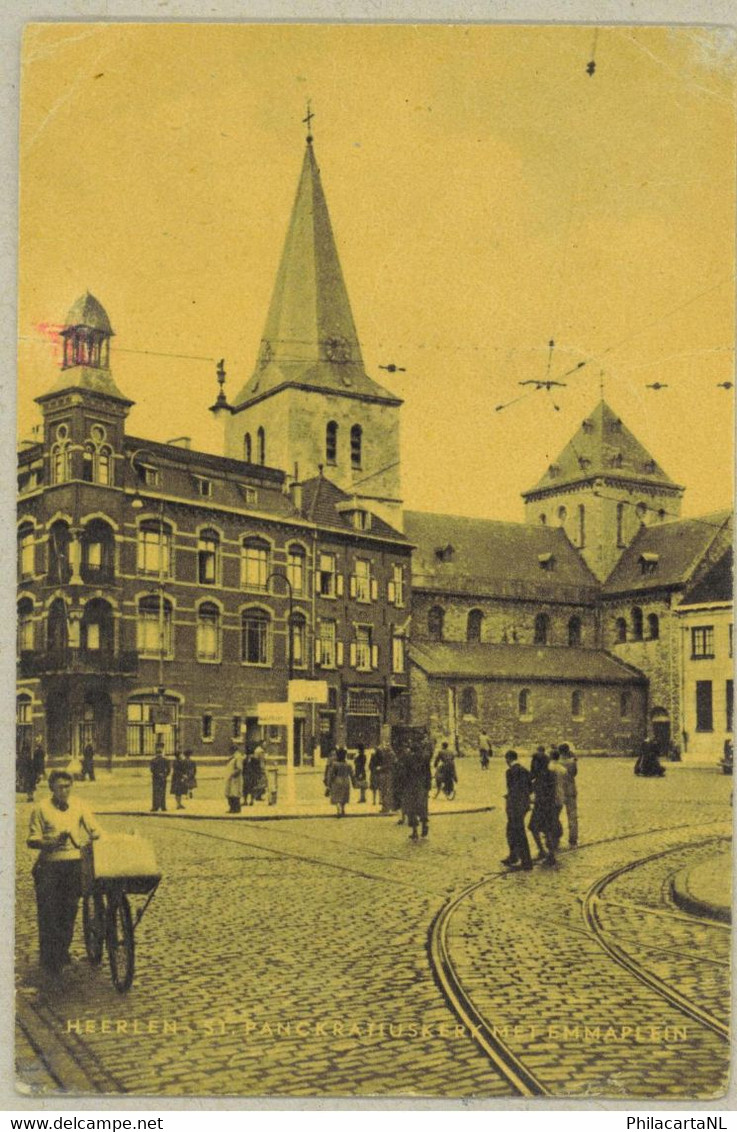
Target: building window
x=331, y=442
x=702, y=642
x=396, y=586
x=398, y=657
x=620, y=524
x=704, y=711
x=26, y=551
x=296, y=569
x=236, y=732
x=729, y=691
x=144, y=729
x=547, y=562
x=92, y=636
x=574, y=633
x=653, y=626
x=620, y=628
x=562, y=515
x=624, y=704
x=543, y=519
x=104, y=466
x=542, y=629
x=636, y=623
x=59, y=565
x=208, y=549
x=361, y=520
x=98, y=552
x=362, y=648
x=207, y=728
x=473, y=625
x=326, y=581
x=299, y=640
x=469, y=702
x=25, y=625
x=208, y=632
x=61, y=463
x=356, y=441
x=577, y=705
x=247, y=448
x=730, y=639
x=154, y=549
x=435, y=620
x=254, y=564
x=88, y=464
x=203, y=487
x=649, y=563
x=523, y=704
x=154, y=631
x=361, y=580
x=255, y=637
x=581, y=525
x=325, y=644
x=261, y=443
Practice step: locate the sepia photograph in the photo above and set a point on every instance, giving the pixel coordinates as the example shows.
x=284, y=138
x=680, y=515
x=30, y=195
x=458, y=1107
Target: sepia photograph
x=374, y=668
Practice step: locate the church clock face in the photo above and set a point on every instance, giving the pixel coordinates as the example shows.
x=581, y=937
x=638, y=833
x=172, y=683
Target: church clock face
x=337, y=349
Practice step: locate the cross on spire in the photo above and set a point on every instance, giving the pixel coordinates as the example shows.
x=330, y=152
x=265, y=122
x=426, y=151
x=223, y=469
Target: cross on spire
x=307, y=120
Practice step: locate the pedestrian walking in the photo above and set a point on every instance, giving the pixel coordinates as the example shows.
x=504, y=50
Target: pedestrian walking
x=159, y=767
x=446, y=775
x=559, y=774
x=25, y=776
x=179, y=779
x=339, y=779
x=648, y=763
x=399, y=780
x=570, y=792
x=376, y=762
x=417, y=780
x=359, y=772
x=544, y=824
x=88, y=762
x=386, y=780
x=191, y=772
x=234, y=780
x=517, y=801
x=485, y=749
x=59, y=827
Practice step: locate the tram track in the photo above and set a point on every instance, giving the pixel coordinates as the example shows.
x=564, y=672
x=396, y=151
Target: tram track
x=521, y=1079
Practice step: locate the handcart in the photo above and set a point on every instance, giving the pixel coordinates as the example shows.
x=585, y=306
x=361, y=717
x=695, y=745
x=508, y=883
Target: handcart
x=114, y=868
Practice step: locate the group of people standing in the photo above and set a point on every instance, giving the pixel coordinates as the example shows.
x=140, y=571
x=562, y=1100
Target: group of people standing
x=547, y=788
x=245, y=778
x=183, y=773
x=399, y=781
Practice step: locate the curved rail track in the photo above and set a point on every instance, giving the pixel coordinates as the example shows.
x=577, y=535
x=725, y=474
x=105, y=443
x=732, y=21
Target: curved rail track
x=483, y=1030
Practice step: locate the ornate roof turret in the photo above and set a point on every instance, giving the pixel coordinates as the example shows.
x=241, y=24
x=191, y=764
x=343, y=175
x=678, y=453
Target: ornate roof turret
x=86, y=363
x=310, y=337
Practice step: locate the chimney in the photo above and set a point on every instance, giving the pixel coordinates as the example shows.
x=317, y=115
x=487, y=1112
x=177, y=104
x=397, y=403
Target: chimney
x=295, y=492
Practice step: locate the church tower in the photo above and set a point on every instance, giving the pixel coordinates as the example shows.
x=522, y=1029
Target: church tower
x=601, y=489
x=309, y=403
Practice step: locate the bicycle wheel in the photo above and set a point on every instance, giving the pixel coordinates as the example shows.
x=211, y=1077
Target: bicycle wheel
x=93, y=923
x=120, y=944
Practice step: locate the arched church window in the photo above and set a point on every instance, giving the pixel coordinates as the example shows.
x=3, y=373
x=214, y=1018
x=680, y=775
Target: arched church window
x=574, y=633
x=542, y=629
x=331, y=442
x=261, y=441
x=641, y=511
x=356, y=440
x=435, y=620
x=620, y=628
x=523, y=703
x=247, y=448
x=543, y=519
x=636, y=623
x=88, y=464
x=562, y=515
x=581, y=525
x=653, y=626
x=473, y=625
x=469, y=702
x=620, y=524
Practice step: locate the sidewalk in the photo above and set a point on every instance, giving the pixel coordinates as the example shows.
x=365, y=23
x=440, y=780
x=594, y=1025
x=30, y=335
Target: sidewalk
x=128, y=793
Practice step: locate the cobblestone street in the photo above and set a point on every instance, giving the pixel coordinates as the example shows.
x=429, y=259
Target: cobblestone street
x=295, y=957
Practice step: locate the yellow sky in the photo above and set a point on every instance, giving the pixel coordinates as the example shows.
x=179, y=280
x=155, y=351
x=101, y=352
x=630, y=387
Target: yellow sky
x=486, y=193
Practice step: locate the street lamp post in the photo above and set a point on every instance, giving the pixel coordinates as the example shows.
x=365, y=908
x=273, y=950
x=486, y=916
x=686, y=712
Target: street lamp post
x=291, y=784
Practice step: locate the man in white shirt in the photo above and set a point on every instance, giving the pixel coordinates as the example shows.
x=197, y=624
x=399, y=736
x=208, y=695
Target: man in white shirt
x=59, y=827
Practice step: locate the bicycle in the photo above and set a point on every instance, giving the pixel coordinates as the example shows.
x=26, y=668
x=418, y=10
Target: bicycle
x=107, y=919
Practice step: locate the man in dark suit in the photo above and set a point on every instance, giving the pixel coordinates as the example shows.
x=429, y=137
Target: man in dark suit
x=518, y=803
x=159, y=767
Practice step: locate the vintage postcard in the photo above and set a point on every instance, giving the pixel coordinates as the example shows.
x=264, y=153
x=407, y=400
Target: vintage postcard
x=374, y=706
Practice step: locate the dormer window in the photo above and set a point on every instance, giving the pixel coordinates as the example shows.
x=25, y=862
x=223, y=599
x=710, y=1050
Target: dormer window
x=554, y=471
x=616, y=460
x=649, y=562
x=649, y=467
x=584, y=463
x=445, y=553
x=547, y=561
x=203, y=487
x=588, y=426
x=615, y=425
x=250, y=495
x=361, y=520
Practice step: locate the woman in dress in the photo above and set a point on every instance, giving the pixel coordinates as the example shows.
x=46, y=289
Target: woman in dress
x=339, y=779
